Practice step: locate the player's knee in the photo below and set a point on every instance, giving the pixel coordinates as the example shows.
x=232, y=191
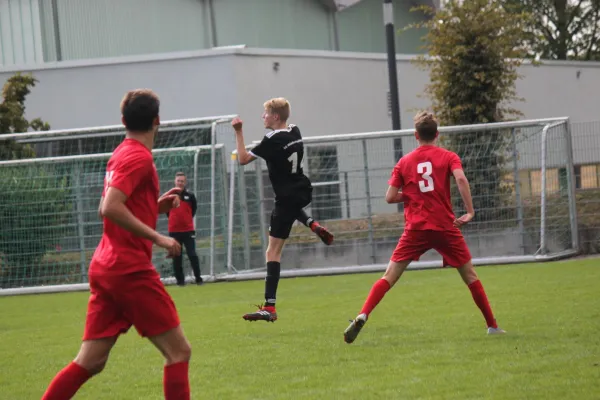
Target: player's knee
x=92, y=365
x=181, y=353
x=468, y=274
x=273, y=254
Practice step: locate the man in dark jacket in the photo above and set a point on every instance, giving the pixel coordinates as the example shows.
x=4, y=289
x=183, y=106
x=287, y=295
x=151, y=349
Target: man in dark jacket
x=181, y=228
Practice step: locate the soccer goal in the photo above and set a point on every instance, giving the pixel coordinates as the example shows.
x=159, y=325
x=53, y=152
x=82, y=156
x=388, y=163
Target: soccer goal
x=522, y=181
x=49, y=223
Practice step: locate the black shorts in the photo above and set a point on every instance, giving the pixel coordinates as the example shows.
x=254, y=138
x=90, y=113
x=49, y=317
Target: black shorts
x=285, y=213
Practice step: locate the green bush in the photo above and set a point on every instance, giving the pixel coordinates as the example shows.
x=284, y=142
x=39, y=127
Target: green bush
x=35, y=207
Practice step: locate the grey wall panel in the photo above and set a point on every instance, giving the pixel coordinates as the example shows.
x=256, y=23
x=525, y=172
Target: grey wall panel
x=361, y=28
x=299, y=24
x=109, y=28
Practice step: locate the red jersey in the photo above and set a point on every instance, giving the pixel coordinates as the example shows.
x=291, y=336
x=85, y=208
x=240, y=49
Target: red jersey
x=181, y=219
x=424, y=177
x=130, y=169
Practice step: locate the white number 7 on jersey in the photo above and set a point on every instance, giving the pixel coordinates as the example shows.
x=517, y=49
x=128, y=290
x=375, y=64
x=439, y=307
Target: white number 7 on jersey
x=425, y=169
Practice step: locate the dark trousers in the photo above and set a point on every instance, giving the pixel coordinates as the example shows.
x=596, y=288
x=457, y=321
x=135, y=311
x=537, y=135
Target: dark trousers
x=187, y=239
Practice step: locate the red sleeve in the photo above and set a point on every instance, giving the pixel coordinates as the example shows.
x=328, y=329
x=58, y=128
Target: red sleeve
x=454, y=162
x=396, y=178
x=126, y=174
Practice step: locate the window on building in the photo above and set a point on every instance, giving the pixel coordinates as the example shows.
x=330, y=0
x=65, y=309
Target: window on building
x=552, y=181
x=588, y=177
x=324, y=174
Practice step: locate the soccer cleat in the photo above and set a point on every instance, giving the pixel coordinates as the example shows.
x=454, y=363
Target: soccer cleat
x=354, y=328
x=264, y=313
x=322, y=233
x=495, y=331
x=199, y=281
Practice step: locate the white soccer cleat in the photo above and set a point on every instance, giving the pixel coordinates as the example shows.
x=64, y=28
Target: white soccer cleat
x=495, y=331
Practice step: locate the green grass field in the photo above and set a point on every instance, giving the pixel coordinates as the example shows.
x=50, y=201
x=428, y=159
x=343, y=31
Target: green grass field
x=426, y=340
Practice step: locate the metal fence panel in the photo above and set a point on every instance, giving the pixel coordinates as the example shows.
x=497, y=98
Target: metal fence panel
x=350, y=174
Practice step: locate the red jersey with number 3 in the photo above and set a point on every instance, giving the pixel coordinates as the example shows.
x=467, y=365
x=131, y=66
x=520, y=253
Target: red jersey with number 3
x=130, y=169
x=423, y=175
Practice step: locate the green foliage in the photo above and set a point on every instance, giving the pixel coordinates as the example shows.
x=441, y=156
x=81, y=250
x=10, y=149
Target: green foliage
x=561, y=29
x=34, y=208
x=24, y=239
x=474, y=49
x=12, y=116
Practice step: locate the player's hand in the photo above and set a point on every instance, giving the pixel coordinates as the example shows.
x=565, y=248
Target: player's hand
x=463, y=220
x=168, y=243
x=169, y=200
x=237, y=124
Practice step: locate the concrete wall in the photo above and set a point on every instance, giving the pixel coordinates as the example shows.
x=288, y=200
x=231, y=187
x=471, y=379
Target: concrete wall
x=330, y=92
x=79, y=94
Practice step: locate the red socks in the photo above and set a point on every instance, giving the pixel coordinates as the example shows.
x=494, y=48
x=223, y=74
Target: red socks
x=377, y=292
x=481, y=300
x=66, y=383
x=176, y=382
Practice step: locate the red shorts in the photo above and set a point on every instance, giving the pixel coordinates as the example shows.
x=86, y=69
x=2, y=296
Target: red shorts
x=118, y=302
x=450, y=244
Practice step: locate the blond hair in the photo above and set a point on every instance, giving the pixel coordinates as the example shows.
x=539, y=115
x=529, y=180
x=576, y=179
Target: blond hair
x=278, y=106
x=426, y=125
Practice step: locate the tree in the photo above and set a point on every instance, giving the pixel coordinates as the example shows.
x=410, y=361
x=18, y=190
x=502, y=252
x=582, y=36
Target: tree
x=12, y=116
x=34, y=200
x=474, y=49
x=561, y=29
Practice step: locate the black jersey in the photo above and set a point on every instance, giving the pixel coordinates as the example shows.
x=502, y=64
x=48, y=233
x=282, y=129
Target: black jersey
x=283, y=151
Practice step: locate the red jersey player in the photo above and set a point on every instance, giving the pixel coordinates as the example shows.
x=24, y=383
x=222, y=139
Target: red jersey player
x=421, y=180
x=125, y=288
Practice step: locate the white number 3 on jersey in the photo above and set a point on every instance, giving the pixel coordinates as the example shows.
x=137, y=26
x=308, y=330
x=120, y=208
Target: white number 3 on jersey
x=425, y=169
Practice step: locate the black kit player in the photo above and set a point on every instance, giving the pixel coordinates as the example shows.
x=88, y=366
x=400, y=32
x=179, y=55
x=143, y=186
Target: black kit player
x=283, y=150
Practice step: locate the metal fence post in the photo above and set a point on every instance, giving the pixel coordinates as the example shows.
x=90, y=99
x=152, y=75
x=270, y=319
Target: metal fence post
x=542, y=249
x=80, y=221
x=261, y=208
x=230, y=268
x=571, y=183
x=195, y=187
x=213, y=174
x=346, y=188
x=245, y=219
x=368, y=194
x=224, y=202
x=518, y=190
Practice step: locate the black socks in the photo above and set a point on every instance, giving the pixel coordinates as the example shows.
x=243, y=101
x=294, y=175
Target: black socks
x=271, y=282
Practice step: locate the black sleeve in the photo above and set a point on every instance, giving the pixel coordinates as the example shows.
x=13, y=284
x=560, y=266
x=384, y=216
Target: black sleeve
x=194, y=204
x=265, y=149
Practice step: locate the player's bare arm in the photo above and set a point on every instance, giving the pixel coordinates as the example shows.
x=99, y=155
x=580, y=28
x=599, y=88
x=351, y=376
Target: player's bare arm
x=169, y=201
x=113, y=208
x=100, y=208
x=244, y=156
x=465, y=192
x=394, y=195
